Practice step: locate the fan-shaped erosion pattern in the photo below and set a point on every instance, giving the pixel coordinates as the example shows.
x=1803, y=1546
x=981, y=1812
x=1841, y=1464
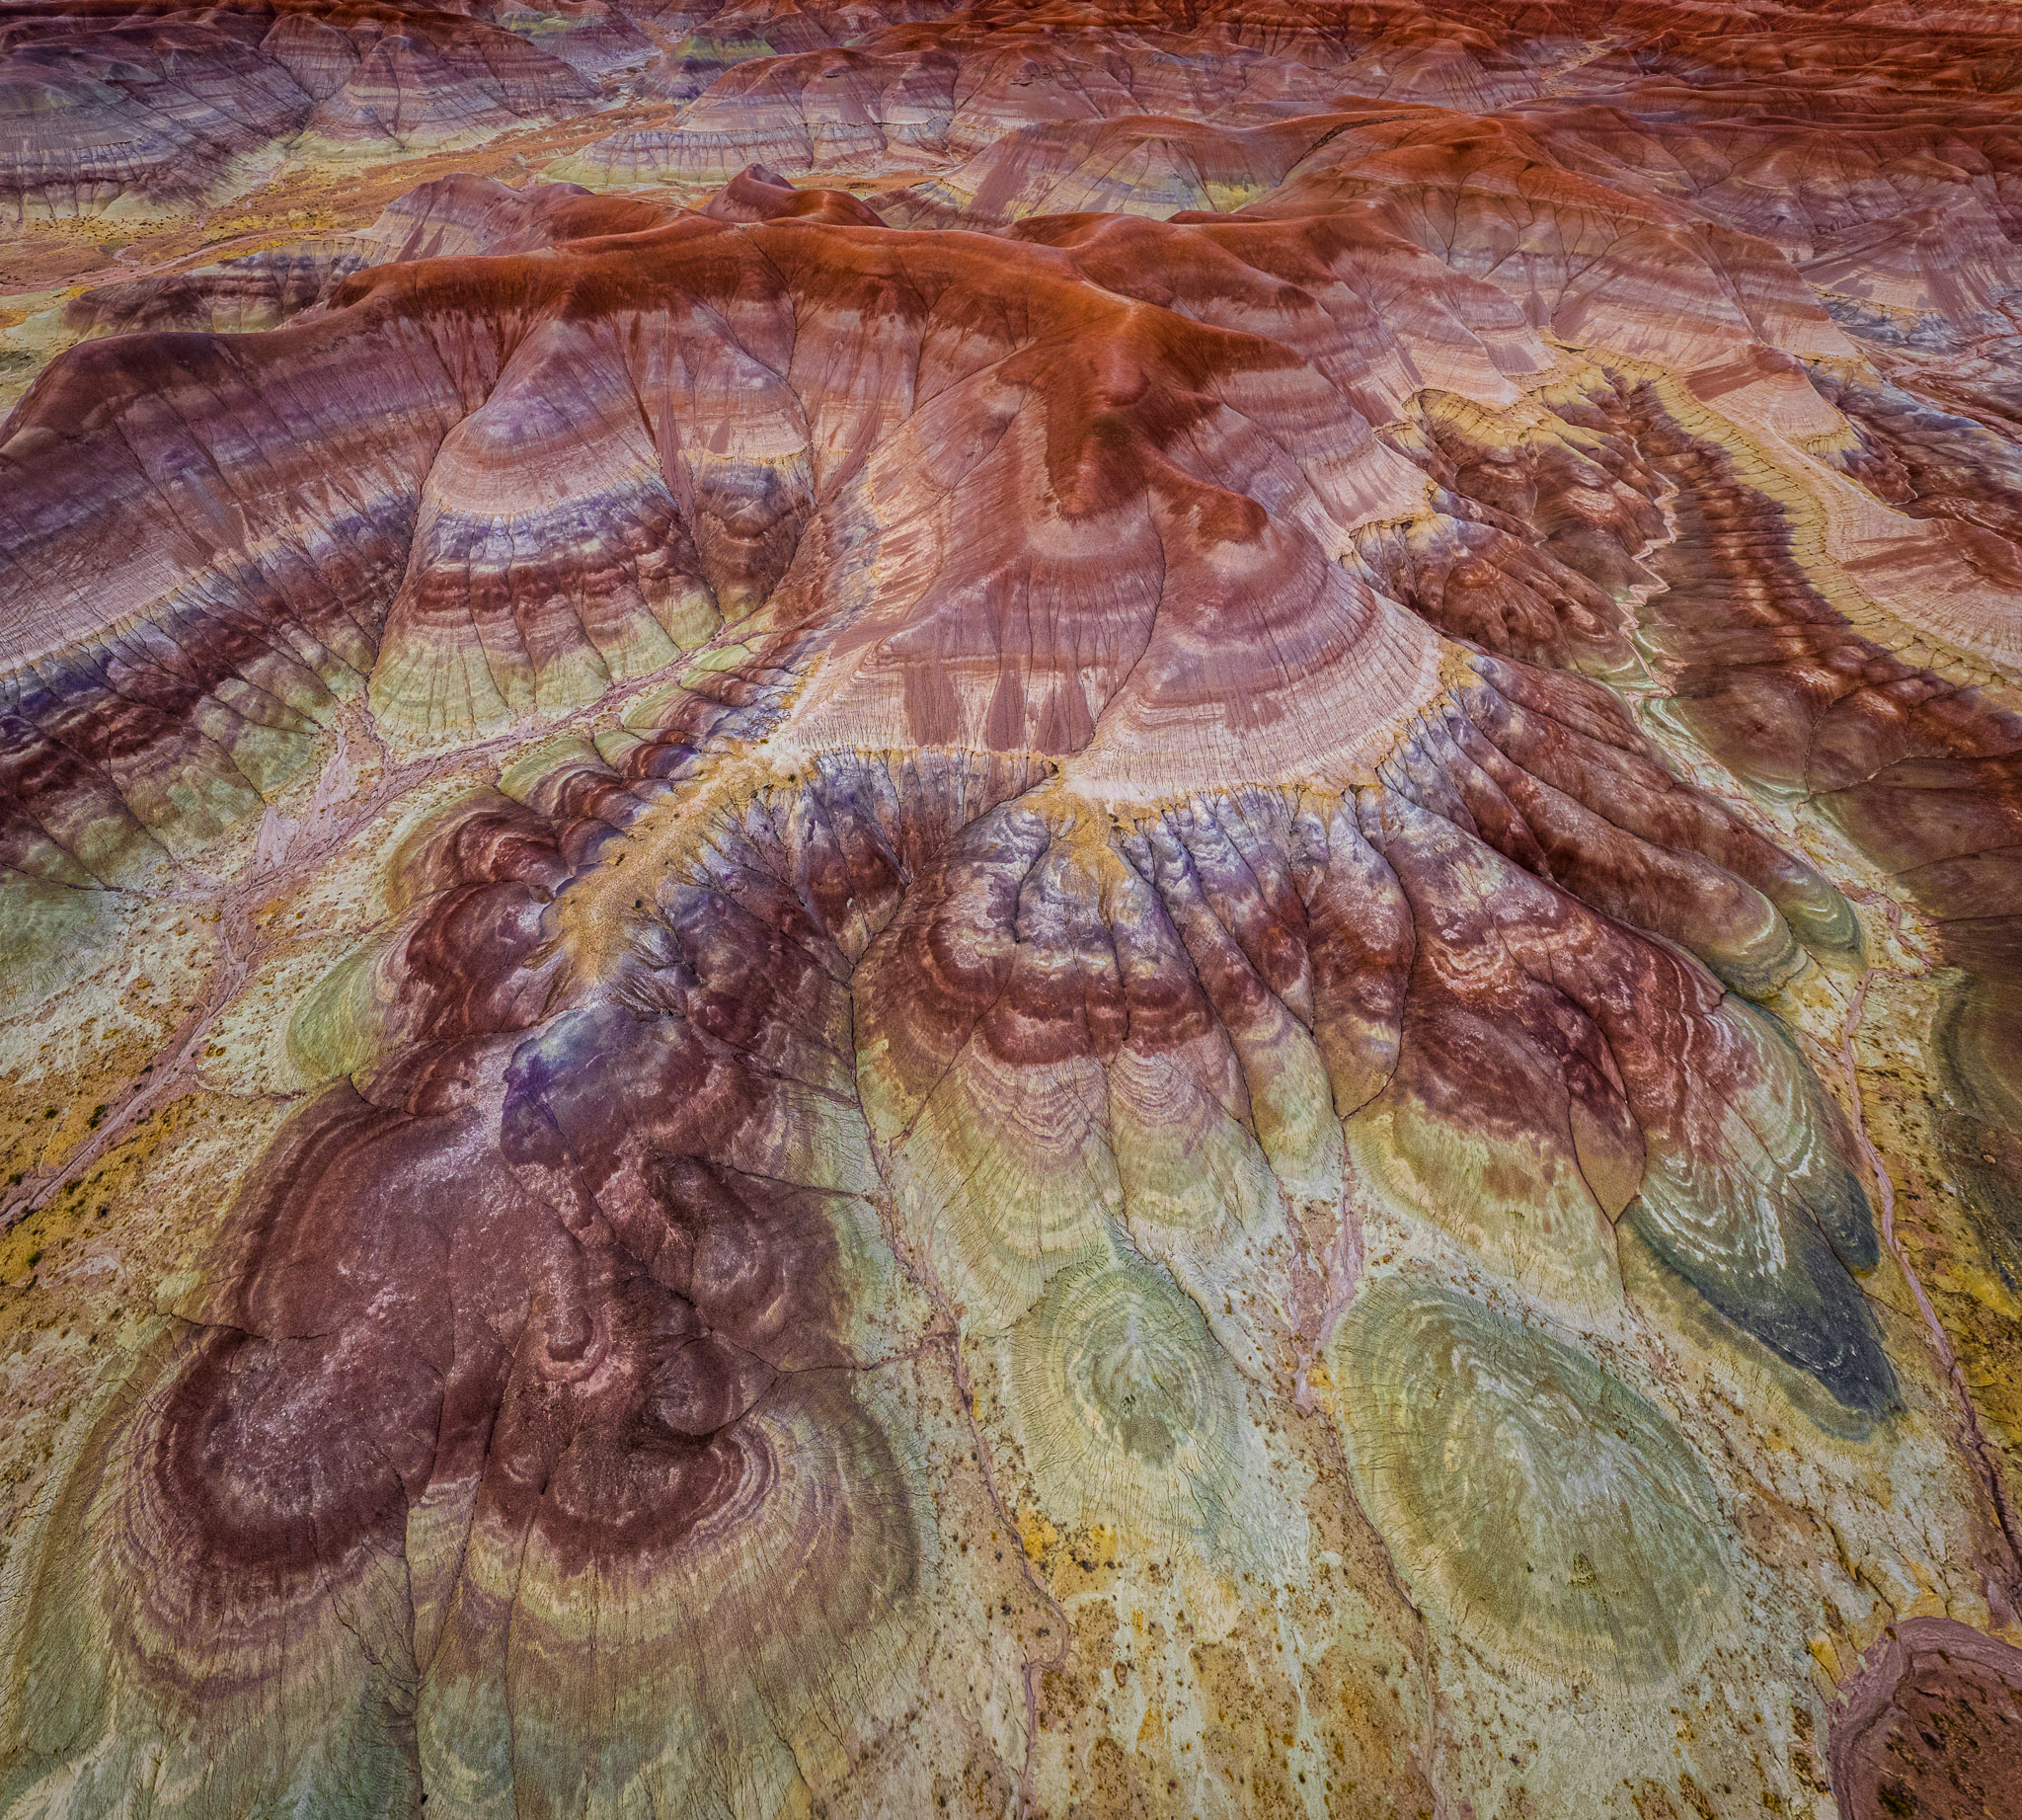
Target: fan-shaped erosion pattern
x=1010, y=909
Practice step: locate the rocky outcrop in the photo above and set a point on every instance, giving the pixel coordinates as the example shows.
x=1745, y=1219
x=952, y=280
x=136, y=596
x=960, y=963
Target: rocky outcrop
x=1928, y=1724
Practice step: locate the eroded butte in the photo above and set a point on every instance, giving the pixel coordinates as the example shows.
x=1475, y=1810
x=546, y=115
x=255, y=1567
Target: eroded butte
x=1021, y=909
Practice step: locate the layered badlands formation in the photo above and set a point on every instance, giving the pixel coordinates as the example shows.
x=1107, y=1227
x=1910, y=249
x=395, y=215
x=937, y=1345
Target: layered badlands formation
x=1077, y=910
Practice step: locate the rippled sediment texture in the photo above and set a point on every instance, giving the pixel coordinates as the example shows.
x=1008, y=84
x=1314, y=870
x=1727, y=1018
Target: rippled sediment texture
x=1013, y=910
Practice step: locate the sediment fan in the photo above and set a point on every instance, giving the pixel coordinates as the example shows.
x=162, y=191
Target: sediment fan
x=1050, y=908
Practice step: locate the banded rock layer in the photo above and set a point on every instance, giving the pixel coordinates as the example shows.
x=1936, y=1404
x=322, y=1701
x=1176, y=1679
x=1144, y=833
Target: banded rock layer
x=141, y=109
x=1157, y=963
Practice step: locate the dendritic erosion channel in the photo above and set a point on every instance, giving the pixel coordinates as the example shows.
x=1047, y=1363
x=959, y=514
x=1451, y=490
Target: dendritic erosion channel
x=1021, y=909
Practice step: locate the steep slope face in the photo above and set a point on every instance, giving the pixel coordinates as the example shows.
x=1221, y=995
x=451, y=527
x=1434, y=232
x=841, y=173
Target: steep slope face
x=138, y=108
x=1159, y=963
